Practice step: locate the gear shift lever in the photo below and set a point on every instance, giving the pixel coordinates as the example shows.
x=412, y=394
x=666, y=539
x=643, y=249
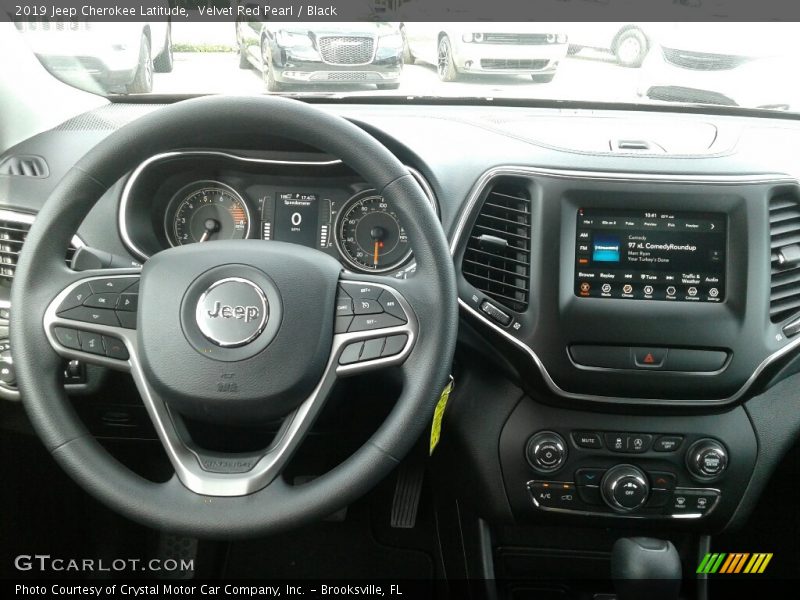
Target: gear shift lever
x=645, y=568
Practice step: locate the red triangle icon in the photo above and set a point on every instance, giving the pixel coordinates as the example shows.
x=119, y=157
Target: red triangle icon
x=649, y=360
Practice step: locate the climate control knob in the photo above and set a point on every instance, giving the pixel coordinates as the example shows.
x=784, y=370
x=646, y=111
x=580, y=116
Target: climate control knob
x=707, y=459
x=546, y=451
x=625, y=488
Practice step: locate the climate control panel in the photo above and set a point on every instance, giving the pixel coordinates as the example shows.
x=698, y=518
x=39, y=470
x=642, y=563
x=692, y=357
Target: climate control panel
x=559, y=462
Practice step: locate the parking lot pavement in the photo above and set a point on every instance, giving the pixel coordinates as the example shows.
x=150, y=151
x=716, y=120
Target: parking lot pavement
x=586, y=76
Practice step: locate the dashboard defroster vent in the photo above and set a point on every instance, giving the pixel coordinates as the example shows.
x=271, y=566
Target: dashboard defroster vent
x=24, y=166
x=497, y=256
x=784, y=224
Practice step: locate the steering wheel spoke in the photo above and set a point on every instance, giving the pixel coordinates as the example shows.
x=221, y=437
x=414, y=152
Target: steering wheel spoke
x=93, y=318
x=375, y=325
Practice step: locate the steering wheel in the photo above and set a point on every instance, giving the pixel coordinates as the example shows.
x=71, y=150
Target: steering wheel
x=231, y=332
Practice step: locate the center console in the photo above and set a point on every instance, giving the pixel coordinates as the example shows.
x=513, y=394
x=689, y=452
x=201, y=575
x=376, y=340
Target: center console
x=636, y=310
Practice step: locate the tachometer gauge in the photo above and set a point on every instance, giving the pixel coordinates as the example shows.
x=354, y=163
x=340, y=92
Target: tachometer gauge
x=204, y=211
x=369, y=234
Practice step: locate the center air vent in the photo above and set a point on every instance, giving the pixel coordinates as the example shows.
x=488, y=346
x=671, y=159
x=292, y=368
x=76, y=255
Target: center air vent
x=498, y=253
x=13, y=231
x=784, y=223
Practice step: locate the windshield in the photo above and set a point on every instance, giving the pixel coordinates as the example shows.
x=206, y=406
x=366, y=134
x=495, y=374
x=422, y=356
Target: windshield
x=743, y=65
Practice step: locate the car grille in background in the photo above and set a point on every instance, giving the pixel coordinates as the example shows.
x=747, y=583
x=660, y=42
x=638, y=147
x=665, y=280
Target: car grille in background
x=513, y=63
x=12, y=237
x=671, y=93
x=346, y=50
x=517, y=38
x=498, y=253
x=703, y=61
x=784, y=228
x=345, y=76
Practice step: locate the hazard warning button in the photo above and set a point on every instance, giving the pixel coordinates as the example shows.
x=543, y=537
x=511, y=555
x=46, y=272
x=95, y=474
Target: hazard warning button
x=649, y=358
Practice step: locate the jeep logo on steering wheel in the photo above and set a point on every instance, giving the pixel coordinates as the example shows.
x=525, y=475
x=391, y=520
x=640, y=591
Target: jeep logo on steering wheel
x=226, y=311
x=232, y=312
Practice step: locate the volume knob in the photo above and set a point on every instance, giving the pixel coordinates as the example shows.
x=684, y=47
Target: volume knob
x=546, y=451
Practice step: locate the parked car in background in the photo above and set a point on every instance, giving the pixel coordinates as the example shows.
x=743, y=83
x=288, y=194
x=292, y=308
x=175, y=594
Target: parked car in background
x=533, y=49
x=733, y=64
x=116, y=57
x=341, y=54
x=628, y=42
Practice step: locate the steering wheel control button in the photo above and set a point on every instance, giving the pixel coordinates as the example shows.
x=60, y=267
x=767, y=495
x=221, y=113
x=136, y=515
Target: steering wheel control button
x=587, y=439
x=101, y=300
x=662, y=480
x=96, y=316
x=357, y=291
x=625, y=488
x=649, y=358
x=365, y=306
x=391, y=305
x=372, y=349
x=92, y=343
x=394, y=345
x=67, y=337
x=128, y=302
x=351, y=353
x=495, y=313
x=589, y=476
x=370, y=322
x=115, y=348
x=127, y=319
x=707, y=459
x=342, y=324
x=668, y=443
x=546, y=451
x=232, y=312
x=75, y=298
x=344, y=306
x=112, y=284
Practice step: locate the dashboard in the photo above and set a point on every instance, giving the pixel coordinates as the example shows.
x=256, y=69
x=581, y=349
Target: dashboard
x=196, y=196
x=620, y=308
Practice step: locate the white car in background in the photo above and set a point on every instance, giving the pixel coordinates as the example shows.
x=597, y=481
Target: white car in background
x=109, y=57
x=533, y=49
x=628, y=42
x=731, y=64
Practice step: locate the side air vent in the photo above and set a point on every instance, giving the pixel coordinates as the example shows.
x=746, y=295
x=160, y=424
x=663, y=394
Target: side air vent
x=13, y=231
x=784, y=224
x=24, y=166
x=498, y=253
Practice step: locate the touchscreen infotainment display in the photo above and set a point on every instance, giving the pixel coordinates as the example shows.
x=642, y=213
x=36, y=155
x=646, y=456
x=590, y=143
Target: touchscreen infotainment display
x=650, y=255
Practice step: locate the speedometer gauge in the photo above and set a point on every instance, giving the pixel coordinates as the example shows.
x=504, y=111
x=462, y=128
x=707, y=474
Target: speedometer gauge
x=205, y=211
x=370, y=236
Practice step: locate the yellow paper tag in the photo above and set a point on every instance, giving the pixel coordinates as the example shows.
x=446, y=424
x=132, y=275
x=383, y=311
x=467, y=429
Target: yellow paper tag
x=436, y=425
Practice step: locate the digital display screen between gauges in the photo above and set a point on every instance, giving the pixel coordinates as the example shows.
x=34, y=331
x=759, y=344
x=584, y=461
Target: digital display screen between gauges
x=369, y=234
x=297, y=218
x=205, y=211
